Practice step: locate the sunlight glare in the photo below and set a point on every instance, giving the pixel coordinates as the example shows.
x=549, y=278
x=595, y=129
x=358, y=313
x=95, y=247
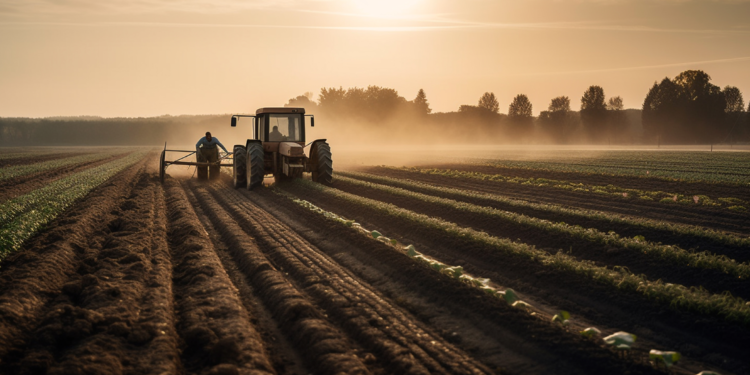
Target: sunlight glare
x=386, y=7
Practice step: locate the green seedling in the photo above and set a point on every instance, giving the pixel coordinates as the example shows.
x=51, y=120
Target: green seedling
x=510, y=296
x=522, y=305
x=590, y=332
x=411, y=251
x=375, y=234
x=561, y=317
x=667, y=358
x=621, y=340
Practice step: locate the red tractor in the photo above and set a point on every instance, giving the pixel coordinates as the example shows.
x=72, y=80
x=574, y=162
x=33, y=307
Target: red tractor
x=278, y=148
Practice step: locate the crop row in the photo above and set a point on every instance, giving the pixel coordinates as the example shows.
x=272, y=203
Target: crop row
x=23, y=216
x=587, y=161
x=668, y=253
x=679, y=229
x=730, y=203
x=21, y=170
x=456, y=272
x=732, y=175
x=675, y=296
x=619, y=340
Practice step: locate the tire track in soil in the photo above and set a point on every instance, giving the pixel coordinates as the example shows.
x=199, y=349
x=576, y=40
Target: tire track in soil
x=115, y=315
x=700, y=339
x=33, y=276
x=720, y=219
x=325, y=348
x=504, y=338
x=395, y=338
x=653, y=267
x=215, y=331
x=285, y=359
x=25, y=184
x=685, y=241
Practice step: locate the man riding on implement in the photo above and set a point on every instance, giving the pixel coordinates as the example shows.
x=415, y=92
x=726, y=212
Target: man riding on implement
x=207, y=152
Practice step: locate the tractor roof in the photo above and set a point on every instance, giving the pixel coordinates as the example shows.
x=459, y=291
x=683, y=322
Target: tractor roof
x=280, y=110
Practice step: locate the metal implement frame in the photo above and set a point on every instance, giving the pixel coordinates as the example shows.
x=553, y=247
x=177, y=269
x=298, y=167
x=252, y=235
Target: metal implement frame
x=163, y=163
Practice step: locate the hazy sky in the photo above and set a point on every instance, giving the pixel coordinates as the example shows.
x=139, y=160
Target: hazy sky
x=154, y=57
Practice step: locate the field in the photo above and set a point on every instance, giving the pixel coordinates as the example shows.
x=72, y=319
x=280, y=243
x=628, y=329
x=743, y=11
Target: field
x=499, y=262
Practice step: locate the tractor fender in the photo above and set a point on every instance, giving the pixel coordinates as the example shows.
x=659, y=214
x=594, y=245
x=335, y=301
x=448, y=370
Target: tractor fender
x=314, y=143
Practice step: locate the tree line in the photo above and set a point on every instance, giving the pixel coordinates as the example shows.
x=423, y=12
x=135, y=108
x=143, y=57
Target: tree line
x=687, y=109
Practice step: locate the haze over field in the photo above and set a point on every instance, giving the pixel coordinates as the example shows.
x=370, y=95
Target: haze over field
x=149, y=58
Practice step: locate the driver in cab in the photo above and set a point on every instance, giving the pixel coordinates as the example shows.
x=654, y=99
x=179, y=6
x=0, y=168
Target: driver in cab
x=275, y=135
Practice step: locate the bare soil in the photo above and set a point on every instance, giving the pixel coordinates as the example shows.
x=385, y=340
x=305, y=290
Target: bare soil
x=195, y=277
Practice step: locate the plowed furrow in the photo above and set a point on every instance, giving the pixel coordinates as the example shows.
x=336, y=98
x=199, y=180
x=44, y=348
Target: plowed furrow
x=363, y=312
x=595, y=302
x=215, y=330
x=285, y=358
x=716, y=219
x=33, y=276
x=326, y=349
x=115, y=314
x=500, y=336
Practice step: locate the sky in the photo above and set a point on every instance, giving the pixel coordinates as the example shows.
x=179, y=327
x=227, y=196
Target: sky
x=118, y=58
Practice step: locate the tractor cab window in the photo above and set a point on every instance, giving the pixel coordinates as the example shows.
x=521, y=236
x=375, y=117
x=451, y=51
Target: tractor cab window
x=283, y=128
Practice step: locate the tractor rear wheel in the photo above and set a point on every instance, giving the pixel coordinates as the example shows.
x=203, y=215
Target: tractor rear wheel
x=255, y=166
x=322, y=163
x=239, y=167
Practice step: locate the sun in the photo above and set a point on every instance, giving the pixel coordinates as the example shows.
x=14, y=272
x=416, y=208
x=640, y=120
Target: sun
x=385, y=7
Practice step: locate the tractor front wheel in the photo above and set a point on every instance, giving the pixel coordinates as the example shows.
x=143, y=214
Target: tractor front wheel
x=239, y=167
x=255, y=165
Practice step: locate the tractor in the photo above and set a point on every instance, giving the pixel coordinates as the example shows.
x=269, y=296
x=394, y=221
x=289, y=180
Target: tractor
x=278, y=148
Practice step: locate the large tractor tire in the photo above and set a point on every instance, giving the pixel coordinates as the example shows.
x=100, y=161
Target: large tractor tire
x=322, y=163
x=255, y=166
x=239, y=166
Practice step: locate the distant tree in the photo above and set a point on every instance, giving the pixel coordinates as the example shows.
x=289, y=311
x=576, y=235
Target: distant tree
x=686, y=109
x=704, y=106
x=555, y=120
x=615, y=104
x=332, y=98
x=594, y=112
x=421, y=104
x=734, y=112
x=733, y=97
x=520, y=116
x=520, y=108
x=303, y=101
x=489, y=101
x=560, y=104
x=617, y=121
x=662, y=111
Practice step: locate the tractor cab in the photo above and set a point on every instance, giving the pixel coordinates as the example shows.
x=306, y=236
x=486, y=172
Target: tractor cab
x=279, y=133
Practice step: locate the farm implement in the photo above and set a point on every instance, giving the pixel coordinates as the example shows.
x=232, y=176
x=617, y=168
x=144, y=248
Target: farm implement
x=205, y=169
